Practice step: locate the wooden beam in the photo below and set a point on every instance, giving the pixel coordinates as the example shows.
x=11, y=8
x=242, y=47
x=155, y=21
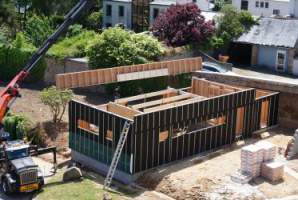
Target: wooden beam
x=122, y=110
x=144, y=96
x=170, y=105
x=207, y=88
x=162, y=101
x=123, y=73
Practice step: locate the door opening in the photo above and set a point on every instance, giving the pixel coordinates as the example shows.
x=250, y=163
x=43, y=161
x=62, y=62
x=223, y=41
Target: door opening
x=281, y=61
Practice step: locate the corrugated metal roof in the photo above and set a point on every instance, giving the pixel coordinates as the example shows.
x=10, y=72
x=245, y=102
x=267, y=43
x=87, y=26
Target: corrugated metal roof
x=272, y=32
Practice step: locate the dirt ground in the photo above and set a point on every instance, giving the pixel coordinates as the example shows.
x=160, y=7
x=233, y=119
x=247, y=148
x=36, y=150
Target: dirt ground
x=210, y=177
x=31, y=106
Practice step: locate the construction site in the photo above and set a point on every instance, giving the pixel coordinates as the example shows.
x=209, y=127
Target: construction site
x=87, y=129
x=164, y=126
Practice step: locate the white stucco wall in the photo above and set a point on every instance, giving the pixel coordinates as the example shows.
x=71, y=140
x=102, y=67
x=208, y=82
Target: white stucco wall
x=115, y=18
x=159, y=7
x=282, y=5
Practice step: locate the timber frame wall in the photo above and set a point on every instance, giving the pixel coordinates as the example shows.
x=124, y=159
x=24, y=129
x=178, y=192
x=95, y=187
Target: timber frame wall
x=126, y=73
x=175, y=132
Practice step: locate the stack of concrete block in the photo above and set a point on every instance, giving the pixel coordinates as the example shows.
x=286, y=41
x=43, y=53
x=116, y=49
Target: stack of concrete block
x=272, y=170
x=269, y=150
x=251, y=159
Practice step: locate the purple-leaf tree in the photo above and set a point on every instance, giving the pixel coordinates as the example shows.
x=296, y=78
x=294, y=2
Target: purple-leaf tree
x=181, y=25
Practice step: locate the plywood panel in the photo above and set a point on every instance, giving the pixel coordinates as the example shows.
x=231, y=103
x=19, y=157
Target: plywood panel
x=109, y=75
x=240, y=121
x=207, y=88
x=264, y=114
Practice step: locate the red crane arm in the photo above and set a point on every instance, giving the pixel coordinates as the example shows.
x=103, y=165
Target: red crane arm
x=10, y=92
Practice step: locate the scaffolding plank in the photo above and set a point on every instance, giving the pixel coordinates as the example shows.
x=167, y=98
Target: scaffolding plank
x=133, y=72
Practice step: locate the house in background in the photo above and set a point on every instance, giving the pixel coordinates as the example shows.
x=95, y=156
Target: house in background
x=117, y=12
x=271, y=44
x=138, y=15
x=267, y=8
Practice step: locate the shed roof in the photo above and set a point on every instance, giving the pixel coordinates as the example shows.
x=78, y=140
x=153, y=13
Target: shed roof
x=272, y=32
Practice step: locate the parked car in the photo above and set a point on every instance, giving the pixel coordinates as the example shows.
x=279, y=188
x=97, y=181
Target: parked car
x=213, y=67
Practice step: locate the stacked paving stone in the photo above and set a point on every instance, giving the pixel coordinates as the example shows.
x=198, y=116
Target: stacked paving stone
x=258, y=159
x=251, y=159
x=272, y=170
x=269, y=150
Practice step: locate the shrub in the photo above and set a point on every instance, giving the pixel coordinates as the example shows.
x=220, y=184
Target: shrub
x=38, y=29
x=75, y=46
x=17, y=125
x=57, y=101
x=94, y=20
x=14, y=57
x=74, y=30
x=183, y=24
x=117, y=47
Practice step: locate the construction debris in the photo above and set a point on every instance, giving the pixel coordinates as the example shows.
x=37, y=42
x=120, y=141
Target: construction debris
x=241, y=177
x=272, y=170
x=292, y=148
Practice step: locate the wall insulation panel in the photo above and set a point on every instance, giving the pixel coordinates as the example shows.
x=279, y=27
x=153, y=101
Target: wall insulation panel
x=96, y=142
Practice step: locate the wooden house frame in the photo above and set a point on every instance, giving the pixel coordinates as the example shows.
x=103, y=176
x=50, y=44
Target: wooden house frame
x=168, y=125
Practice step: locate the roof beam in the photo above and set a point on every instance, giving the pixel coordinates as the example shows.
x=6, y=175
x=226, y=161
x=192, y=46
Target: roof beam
x=162, y=101
x=144, y=96
x=162, y=107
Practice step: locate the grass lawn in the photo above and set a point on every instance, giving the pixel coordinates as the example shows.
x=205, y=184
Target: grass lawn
x=85, y=189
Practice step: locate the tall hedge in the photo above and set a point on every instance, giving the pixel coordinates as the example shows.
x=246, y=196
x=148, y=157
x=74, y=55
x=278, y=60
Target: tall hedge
x=14, y=57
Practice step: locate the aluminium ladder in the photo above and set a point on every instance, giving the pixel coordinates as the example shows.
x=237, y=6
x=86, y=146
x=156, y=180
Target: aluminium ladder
x=117, y=154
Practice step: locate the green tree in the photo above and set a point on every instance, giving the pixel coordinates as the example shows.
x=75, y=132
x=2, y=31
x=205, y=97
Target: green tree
x=38, y=29
x=117, y=47
x=8, y=15
x=14, y=56
x=231, y=24
x=57, y=101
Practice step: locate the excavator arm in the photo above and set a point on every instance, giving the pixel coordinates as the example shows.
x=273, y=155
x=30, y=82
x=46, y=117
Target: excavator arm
x=11, y=91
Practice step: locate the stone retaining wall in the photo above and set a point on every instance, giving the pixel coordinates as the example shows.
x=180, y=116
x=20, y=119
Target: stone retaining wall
x=63, y=66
